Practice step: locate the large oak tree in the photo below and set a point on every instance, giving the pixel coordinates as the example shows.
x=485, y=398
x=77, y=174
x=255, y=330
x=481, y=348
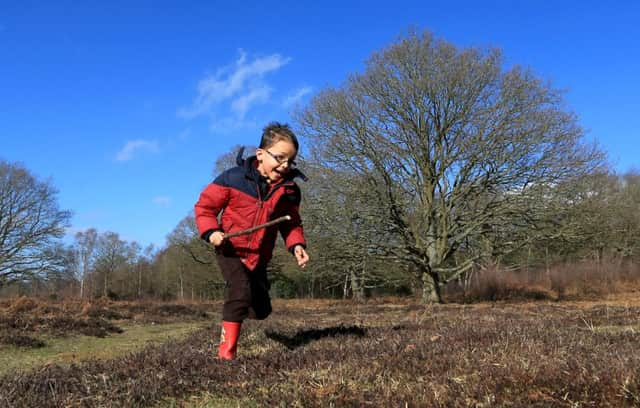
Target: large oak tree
x=453, y=146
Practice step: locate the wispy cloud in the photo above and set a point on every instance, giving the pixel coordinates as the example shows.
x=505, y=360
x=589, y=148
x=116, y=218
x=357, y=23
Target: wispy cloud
x=184, y=135
x=132, y=147
x=235, y=89
x=229, y=125
x=256, y=95
x=162, y=201
x=296, y=96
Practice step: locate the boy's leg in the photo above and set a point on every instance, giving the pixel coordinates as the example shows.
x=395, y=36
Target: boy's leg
x=260, y=299
x=237, y=300
x=237, y=291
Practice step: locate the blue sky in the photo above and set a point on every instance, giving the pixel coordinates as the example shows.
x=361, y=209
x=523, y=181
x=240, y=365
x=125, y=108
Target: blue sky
x=125, y=105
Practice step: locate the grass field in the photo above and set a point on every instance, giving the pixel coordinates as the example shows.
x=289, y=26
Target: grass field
x=78, y=348
x=331, y=353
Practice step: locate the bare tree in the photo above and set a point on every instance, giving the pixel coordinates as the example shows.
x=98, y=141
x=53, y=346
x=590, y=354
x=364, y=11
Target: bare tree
x=60, y=276
x=626, y=218
x=30, y=224
x=143, y=264
x=196, y=257
x=344, y=229
x=85, y=246
x=229, y=159
x=598, y=217
x=112, y=255
x=185, y=235
x=452, y=146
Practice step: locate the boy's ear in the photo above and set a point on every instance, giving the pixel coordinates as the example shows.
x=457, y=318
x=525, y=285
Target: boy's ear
x=259, y=154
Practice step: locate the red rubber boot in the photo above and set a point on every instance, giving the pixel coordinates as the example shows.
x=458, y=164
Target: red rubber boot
x=229, y=340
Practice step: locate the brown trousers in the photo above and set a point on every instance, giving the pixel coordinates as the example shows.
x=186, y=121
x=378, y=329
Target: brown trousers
x=246, y=293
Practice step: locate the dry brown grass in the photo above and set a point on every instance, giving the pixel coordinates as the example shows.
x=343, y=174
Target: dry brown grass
x=323, y=353
x=24, y=320
x=576, y=281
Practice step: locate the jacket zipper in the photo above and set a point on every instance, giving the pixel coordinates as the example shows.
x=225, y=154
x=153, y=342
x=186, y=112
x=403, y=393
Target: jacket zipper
x=270, y=193
x=261, y=202
x=255, y=220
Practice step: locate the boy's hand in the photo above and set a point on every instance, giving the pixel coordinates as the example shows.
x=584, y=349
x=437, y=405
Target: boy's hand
x=301, y=255
x=216, y=238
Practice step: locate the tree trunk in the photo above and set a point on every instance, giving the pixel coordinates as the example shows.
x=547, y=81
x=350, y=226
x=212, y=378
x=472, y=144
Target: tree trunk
x=357, y=291
x=431, y=288
x=181, y=284
x=345, y=287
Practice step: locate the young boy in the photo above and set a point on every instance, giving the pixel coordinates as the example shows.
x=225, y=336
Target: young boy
x=259, y=189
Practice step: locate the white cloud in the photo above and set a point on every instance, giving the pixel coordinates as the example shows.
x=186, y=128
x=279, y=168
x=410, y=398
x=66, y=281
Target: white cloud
x=241, y=84
x=295, y=96
x=243, y=103
x=162, y=201
x=230, y=125
x=134, y=146
x=184, y=135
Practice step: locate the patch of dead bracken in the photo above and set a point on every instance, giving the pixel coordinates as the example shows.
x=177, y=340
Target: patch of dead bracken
x=59, y=326
x=24, y=320
x=18, y=340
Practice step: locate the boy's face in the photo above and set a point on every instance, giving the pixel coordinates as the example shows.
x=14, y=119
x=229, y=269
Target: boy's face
x=276, y=160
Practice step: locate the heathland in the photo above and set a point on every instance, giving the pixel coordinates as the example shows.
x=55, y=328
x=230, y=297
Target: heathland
x=382, y=352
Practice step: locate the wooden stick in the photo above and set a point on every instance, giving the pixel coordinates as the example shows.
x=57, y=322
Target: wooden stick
x=257, y=227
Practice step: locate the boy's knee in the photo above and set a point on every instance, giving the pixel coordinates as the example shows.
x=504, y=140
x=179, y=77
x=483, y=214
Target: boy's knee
x=260, y=312
x=263, y=314
x=238, y=292
x=235, y=311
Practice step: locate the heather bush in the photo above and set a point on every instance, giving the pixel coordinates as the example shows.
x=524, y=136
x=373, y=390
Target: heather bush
x=26, y=318
x=18, y=340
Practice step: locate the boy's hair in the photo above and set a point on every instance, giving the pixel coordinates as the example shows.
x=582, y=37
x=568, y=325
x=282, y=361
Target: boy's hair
x=275, y=132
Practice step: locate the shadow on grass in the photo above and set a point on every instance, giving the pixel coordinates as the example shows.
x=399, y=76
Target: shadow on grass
x=304, y=337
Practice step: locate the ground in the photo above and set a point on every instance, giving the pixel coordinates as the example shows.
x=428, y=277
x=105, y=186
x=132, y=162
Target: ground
x=388, y=352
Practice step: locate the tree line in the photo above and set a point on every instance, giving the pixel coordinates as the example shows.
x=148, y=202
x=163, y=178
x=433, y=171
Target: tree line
x=432, y=165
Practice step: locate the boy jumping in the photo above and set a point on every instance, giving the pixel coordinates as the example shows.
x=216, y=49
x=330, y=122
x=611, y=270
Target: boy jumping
x=259, y=189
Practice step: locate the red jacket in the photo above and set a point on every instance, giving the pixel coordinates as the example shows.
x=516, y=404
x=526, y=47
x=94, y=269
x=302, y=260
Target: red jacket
x=237, y=194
